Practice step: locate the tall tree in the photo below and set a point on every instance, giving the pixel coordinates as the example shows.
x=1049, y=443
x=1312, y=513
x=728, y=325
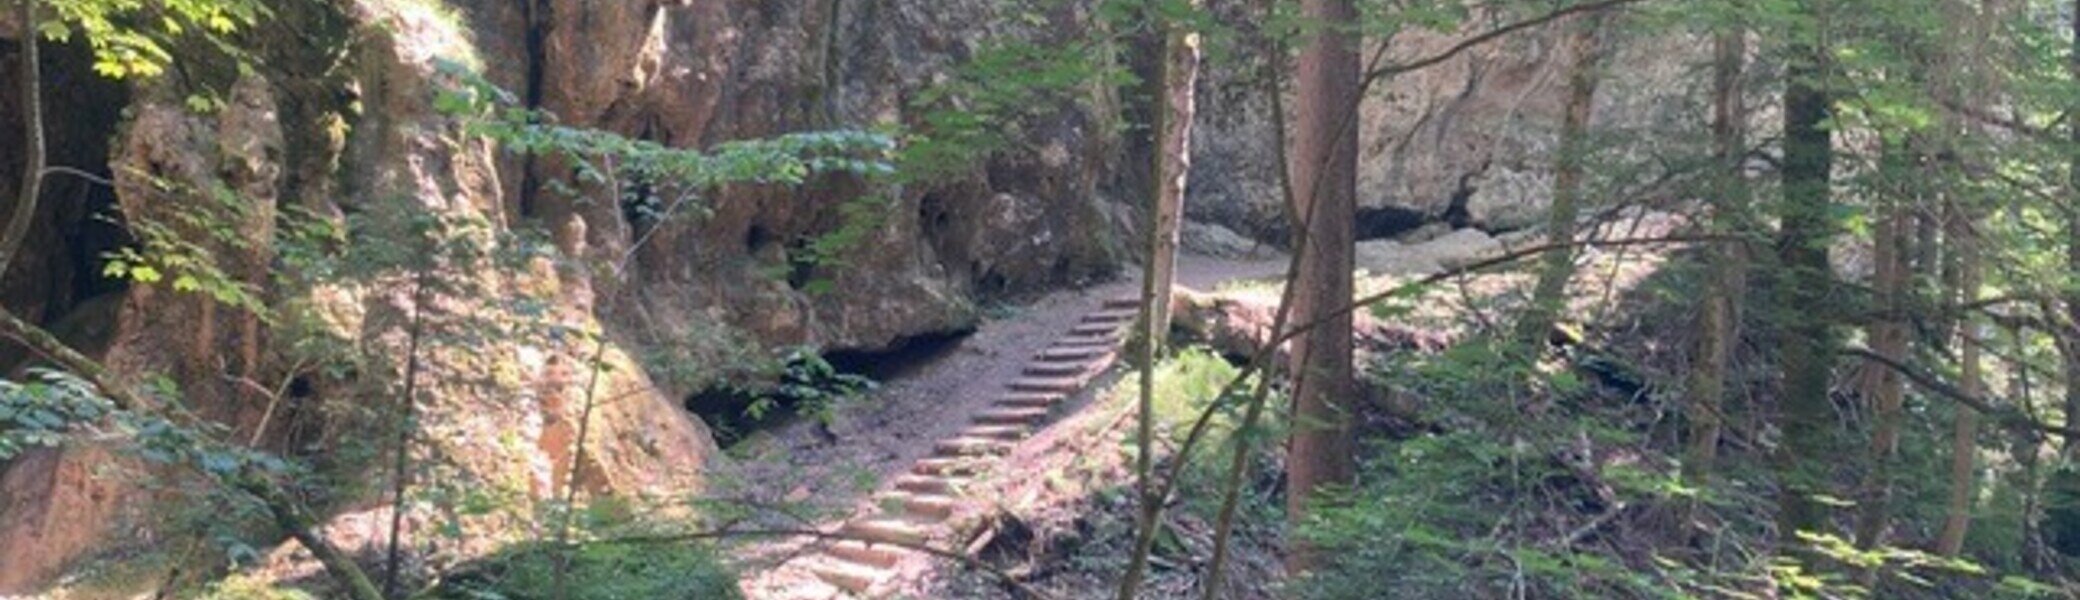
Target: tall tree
x=2069, y=339
x=1978, y=82
x=1964, y=432
x=1172, y=78
x=1176, y=76
x=1887, y=332
x=1726, y=282
x=1806, y=346
x=1325, y=180
x=1549, y=295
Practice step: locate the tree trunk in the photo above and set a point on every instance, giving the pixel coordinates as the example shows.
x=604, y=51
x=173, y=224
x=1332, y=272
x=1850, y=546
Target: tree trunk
x=1325, y=178
x=1888, y=337
x=33, y=148
x=1727, y=282
x=1178, y=75
x=2069, y=340
x=1549, y=296
x=1981, y=89
x=1964, y=433
x=1806, y=348
x=1175, y=74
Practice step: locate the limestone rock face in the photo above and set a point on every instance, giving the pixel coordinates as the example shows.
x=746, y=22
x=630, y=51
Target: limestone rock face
x=1469, y=140
x=695, y=73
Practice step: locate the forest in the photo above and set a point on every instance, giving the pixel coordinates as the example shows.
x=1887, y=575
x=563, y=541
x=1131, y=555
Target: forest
x=1039, y=299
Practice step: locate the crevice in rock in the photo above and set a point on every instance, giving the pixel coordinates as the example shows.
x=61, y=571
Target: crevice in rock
x=900, y=359
x=538, y=20
x=1456, y=213
x=736, y=411
x=1388, y=222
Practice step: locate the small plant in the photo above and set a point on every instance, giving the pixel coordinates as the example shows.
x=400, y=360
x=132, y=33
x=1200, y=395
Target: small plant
x=40, y=413
x=809, y=385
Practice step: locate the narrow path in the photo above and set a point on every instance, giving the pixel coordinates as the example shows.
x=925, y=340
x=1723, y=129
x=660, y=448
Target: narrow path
x=924, y=435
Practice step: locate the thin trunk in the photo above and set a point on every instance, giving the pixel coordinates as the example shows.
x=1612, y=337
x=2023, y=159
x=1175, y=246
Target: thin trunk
x=1238, y=463
x=2069, y=345
x=400, y=467
x=1806, y=349
x=1325, y=185
x=1979, y=84
x=1549, y=296
x=1174, y=75
x=33, y=149
x=1727, y=283
x=1964, y=432
x=1888, y=337
x=1178, y=72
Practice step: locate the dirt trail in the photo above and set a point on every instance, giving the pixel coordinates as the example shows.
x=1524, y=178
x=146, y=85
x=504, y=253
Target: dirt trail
x=852, y=467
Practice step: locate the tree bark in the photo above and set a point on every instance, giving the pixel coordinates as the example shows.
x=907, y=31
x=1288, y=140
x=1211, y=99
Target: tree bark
x=33, y=147
x=1888, y=336
x=1726, y=284
x=1178, y=73
x=2069, y=340
x=1549, y=295
x=1964, y=432
x=1806, y=345
x=1325, y=169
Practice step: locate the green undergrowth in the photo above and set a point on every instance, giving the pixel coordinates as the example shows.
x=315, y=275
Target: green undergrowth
x=598, y=572
x=1188, y=383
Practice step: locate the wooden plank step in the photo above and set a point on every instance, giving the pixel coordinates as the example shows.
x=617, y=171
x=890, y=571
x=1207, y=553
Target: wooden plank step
x=971, y=446
x=873, y=555
x=1057, y=369
x=1009, y=433
x=1086, y=340
x=1059, y=385
x=1122, y=302
x=1011, y=416
x=927, y=507
x=1115, y=316
x=849, y=576
x=1075, y=353
x=931, y=484
x=888, y=531
x=948, y=465
x=1092, y=329
x=1029, y=399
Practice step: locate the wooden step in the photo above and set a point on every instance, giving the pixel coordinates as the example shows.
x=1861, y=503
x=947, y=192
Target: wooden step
x=849, y=576
x=1117, y=316
x=1076, y=353
x=948, y=465
x=1059, y=385
x=1057, y=369
x=1011, y=416
x=1029, y=399
x=1123, y=302
x=926, y=507
x=971, y=446
x=873, y=555
x=888, y=531
x=1008, y=433
x=1079, y=340
x=1090, y=329
x=931, y=484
